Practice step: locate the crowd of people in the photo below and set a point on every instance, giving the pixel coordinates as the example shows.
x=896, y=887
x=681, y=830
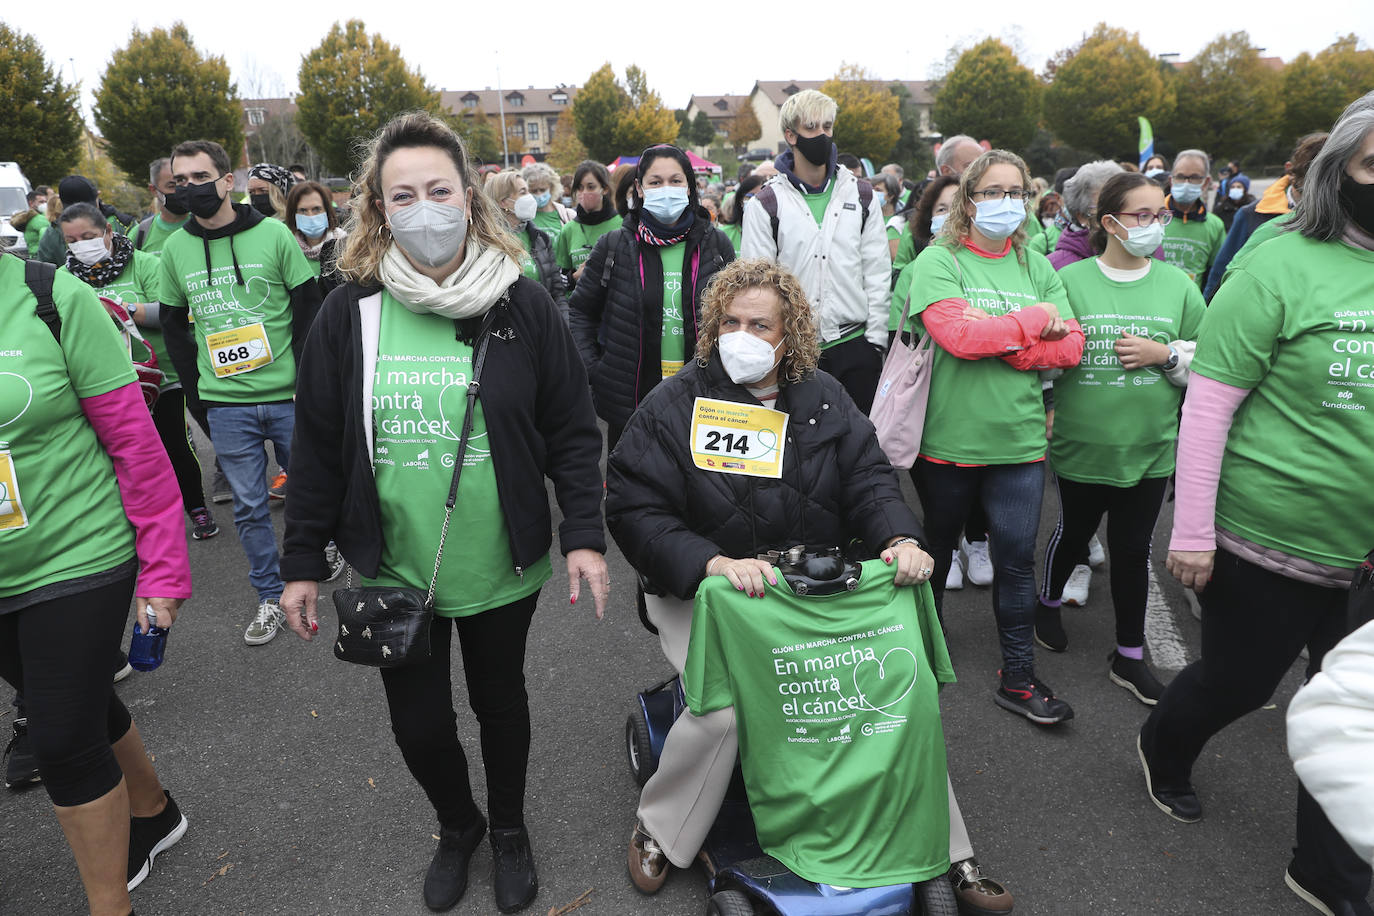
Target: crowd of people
x=1108, y=331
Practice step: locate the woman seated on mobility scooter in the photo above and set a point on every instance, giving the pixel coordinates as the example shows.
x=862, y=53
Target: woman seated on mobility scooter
x=687, y=500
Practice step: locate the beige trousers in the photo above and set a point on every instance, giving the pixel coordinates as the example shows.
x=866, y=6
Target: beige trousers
x=681, y=800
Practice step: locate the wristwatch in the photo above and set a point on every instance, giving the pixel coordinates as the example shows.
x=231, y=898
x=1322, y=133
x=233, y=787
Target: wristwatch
x=1172, y=361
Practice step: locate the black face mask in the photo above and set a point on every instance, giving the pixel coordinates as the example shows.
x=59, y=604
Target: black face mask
x=174, y=204
x=263, y=204
x=201, y=200
x=815, y=149
x=1359, y=202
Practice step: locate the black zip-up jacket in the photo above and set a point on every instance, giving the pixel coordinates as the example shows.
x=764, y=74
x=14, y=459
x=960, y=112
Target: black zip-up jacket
x=670, y=517
x=541, y=249
x=539, y=424
x=618, y=326
x=176, y=322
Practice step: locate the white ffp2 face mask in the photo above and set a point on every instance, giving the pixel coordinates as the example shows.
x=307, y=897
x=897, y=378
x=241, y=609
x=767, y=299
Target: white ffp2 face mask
x=429, y=232
x=89, y=251
x=747, y=359
x=525, y=208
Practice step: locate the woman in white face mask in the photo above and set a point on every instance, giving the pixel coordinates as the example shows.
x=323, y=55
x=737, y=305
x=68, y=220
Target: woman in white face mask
x=634, y=312
x=435, y=285
x=512, y=196
x=1116, y=414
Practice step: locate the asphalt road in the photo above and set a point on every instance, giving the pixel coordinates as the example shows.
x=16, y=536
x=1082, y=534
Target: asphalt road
x=299, y=802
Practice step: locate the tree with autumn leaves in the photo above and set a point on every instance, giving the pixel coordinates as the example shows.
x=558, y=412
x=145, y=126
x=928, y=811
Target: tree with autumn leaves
x=614, y=119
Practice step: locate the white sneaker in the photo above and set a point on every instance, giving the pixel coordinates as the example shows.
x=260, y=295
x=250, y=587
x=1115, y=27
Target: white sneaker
x=979, y=563
x=265, y=626
x=1096, y=555
x=1076, y=589
x=955, y=580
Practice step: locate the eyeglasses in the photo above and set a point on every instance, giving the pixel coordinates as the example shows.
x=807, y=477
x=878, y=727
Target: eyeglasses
x=998, y=194
x=1145, y=218
x=1189, y=179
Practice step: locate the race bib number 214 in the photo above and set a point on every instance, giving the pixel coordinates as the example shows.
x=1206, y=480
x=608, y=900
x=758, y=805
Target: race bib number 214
x=733, y=438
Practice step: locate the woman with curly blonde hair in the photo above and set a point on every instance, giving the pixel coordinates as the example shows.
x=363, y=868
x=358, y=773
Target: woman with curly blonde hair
x=679, y=522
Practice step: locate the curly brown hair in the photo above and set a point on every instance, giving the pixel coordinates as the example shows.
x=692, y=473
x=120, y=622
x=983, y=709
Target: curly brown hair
x=799, y=333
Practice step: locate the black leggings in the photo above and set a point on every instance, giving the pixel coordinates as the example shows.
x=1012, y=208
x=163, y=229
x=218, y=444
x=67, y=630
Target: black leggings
x=857, y=365
x=426, y=725
x=59, y=654
x=1131, y=516
x=169, y=416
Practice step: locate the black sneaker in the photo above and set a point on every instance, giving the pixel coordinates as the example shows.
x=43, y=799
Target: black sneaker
x=513, y=876
x=1135, y=676
x=334, y=560
x=1321, y=901
x=21, y=767
x=1032, y=698
x=1179, y=802
x=219, y=486
x=122, y=667
x=1049, y=628
x=149, y=837
x=203, y=526
x=447, y=878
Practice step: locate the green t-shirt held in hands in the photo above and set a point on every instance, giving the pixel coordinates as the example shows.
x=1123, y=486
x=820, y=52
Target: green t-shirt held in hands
x=982, y=411
x=1112, y=425
x=839, y=722
x=61, y=516
x=1296, y=326
x=673, y=346
x=419, y=400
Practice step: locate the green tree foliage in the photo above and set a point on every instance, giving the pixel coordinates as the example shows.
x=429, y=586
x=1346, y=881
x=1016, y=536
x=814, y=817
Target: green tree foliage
x=703, y=132
x=1100, y=88
x=481, y=135
x=159, y=90
x=647, y=121
x=1317, y=89
x=566, y=152
x=1229, y=101
x=989, y=95
x=126, y=194
x=613, y=119
x=350, y=85
x=913, y=151
x=869, y=119
x=40, y=124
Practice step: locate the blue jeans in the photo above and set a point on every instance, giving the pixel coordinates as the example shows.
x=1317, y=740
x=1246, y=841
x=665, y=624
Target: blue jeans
x=239, y=435
x=1010, y=495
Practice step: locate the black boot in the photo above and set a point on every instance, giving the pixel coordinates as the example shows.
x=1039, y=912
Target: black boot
x=513, y=876
x=447, y=877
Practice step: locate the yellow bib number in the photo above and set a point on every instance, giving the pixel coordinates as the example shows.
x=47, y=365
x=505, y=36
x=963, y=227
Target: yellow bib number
x=733, y=438
x=239, y=350
x=12, y=513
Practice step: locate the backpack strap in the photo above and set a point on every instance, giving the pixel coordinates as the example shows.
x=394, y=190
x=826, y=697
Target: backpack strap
x=38, y=275
x=142, y=234
x=768, y=198
x=865, y=198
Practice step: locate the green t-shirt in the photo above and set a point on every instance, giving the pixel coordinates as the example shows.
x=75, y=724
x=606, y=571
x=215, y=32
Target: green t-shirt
x=1112, y=425
x=33, y=232
x=1263, y=233
x=575, y=241
x=243, y=332
x=158, y=233
x=422, y=373
x=673, y=346
x=837, y=701
x=820, y=201
x=60, y=512
x=1297, y=327
x=550, y=222
x=982, y=411
x=1192, y=244
x=140, y=283
x=734, y=232
x=906, y=249
x=527, y=265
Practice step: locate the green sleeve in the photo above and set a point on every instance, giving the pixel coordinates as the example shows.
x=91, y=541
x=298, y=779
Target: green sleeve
x=1239, y=338
x=1048, y=284
x=906, y=249
x=172, y=290
x=147, y=276
x=1039, y=244
x=893, y=234
x=937, y=278
x=561, y=247
x=52, y=247
x=1194, y=308
x=97, y=357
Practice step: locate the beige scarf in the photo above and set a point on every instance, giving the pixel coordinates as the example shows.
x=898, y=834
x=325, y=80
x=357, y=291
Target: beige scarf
x=468, y=292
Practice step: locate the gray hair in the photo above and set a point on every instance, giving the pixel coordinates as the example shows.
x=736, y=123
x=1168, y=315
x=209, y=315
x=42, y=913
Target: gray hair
x=541, y=170
x=1320, y=214
x=1206, y=160
x=888, y=183
x=1080, y=191
x=893, y=168
x=947, y=149
x=155, y=169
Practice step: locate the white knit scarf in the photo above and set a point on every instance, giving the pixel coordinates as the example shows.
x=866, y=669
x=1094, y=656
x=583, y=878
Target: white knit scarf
x=470, y=291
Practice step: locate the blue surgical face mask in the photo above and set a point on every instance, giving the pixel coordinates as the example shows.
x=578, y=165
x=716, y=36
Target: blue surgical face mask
x=666, y=204
x=998, y=219
x=1153, y=173
x=937, y=223
x=543, y=199
x=1184, y=193
x=881, y=197
x=312, y=226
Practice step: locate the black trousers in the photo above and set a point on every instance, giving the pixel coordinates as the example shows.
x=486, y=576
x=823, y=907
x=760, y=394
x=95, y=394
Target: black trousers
x=426, y=726
x=1254, y=624
x=857, y=365
x=169, y=416
x=1131, y=515
x=60, y=654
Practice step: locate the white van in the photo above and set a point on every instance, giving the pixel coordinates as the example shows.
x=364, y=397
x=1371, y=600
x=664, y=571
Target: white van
x=14, y=192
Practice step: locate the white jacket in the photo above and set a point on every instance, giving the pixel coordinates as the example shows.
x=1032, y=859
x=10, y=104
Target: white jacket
x=844, y=264
x=1331, y=739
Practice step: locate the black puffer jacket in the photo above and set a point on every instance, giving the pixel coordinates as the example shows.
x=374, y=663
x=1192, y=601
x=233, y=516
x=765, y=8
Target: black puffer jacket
x=670, y=517
x=616, y=329
x=541, y=249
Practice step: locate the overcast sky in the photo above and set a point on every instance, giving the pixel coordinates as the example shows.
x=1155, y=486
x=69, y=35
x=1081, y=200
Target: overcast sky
x=546, y=42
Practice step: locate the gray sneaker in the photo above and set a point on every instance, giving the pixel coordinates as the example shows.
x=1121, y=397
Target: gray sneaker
x=335, y=561
x=266, y=624
x=219, y=487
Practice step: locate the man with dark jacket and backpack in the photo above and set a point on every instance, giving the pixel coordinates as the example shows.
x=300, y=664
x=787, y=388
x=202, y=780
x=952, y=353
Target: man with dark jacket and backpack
x=253, y=296
x=823, y=224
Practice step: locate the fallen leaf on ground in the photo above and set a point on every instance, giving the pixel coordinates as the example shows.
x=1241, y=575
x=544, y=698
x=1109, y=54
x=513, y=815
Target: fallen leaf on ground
x=314, y=715
x=371, y=783
x=221, y=855
x=581, y=900
x=221, y=873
